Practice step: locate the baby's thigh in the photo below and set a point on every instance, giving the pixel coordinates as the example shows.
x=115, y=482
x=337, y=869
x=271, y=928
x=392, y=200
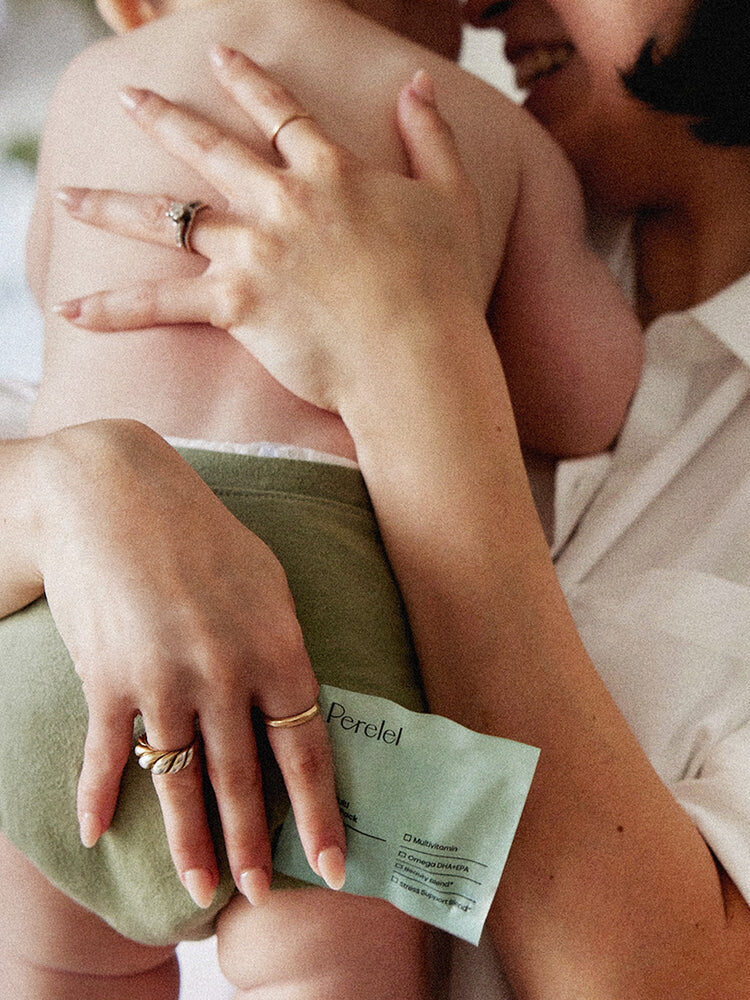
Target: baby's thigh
x=332, y=946
x=48, y=943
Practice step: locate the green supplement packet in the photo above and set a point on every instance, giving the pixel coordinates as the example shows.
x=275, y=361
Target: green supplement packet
x=430, y=809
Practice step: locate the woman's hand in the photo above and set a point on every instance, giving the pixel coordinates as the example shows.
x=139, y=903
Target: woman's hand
x=171, y=608
x=321, y=266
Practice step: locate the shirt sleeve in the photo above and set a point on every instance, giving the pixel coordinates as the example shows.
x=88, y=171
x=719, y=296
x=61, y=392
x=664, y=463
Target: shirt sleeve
x=673, y=649
x=717, y=800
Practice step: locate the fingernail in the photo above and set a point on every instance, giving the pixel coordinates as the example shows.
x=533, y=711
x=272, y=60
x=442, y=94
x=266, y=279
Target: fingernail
x=423, y=88
x=254, y=886
x=220, y=55
x=131, y=97
x=70, y=309
x=332, y=867
x=199, y=882
x=71, y=198
x=91, y=829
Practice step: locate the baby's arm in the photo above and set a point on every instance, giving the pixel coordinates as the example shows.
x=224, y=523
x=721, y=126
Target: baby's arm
x=570, y=343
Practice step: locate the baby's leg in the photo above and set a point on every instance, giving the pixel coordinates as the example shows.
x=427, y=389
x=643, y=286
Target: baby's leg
x=52, y=949
x=314, y=944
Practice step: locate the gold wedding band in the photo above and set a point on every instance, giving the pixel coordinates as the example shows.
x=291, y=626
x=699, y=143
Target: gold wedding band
x=183, y=216
x=293, y=720
x=163, y=761
x=285, y=122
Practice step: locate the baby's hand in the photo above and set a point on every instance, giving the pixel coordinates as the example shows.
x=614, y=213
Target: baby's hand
x=171, y=608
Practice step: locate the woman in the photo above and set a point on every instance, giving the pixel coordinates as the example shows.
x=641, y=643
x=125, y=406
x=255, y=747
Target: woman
x=610, y=889
x=164, y=649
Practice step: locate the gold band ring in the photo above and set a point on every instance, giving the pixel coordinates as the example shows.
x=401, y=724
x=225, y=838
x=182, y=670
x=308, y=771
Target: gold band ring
x=293, y=720
x=288, y=121
x=183, y=216
x=163, y=761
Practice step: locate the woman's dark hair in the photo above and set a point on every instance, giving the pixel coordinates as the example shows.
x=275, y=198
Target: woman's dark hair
x=707, y=76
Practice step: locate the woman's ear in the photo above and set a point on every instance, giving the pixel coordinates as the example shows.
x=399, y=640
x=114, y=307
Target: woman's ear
x=124, y=15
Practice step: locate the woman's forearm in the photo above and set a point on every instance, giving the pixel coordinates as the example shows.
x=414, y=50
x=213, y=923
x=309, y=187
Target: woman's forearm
x=20, y=580
x=609, y=890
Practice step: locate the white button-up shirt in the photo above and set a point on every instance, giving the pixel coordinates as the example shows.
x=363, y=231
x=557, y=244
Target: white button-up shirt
x=657, y=569
x=652, y=548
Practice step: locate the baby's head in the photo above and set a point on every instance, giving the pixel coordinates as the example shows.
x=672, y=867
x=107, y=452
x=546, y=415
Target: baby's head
x=436, y=24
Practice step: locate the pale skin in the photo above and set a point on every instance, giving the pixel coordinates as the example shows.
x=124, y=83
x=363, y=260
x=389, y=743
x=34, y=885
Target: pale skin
x=94, y=474
x=644, y=908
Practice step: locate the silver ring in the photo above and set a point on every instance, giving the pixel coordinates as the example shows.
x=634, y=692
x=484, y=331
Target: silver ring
x=163, y=761
x=183, y=215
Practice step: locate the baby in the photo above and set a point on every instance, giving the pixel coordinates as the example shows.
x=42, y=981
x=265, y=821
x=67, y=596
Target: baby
x=554, y=311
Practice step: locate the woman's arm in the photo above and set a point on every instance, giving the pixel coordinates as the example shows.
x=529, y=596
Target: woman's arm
x=171, y=608
x=609, y=890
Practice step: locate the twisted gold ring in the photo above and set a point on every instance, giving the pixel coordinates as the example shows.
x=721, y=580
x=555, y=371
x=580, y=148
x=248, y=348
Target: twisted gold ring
x=163, y=761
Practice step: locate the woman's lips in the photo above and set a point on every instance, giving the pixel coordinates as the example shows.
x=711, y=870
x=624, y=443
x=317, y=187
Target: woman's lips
x=533, y=62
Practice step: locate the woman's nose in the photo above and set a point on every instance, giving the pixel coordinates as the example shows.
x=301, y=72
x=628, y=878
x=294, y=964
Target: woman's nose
x=486, y=15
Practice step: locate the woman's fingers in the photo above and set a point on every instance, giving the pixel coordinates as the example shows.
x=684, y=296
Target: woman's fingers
x=234, y=772
x=304, y=756
x=434, y=158
x=141, y=217
x=150, y=303
x=222, y=160
x=275, y=110
x=182, y=805
x=109, y=742
x=430, y=143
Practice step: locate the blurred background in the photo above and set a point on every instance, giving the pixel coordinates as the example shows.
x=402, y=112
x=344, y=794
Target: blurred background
x=37, y=39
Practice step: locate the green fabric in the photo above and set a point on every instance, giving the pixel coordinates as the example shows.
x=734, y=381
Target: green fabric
x=319, y=522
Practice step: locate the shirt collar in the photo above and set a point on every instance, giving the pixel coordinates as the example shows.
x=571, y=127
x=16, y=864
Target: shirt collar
x=727, y=316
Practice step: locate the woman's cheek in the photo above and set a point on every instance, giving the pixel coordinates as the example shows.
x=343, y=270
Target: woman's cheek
x=609, y=34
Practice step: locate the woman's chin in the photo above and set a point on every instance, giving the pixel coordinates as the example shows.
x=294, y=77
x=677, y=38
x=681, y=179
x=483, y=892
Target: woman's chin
x=548, y=97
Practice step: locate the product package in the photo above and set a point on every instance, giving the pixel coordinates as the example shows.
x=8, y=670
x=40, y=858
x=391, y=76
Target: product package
x=430, y=809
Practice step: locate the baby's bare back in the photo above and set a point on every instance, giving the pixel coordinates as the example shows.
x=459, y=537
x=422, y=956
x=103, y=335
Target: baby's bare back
x=195, y=381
